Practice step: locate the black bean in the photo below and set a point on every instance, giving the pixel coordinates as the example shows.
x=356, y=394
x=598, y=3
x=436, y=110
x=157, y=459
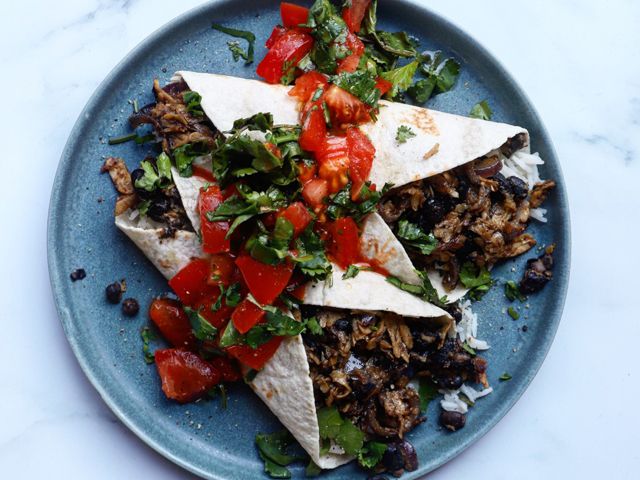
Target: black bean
x=409, y=456
x=343, y=324
x=130, y=307
x=158, y=208
x=433, y=211
x=451, y=383
x=378, y=477
x=78, y=274
x=519, y=187
x=114, y=293
x=393, y=459
x=452, y=420
x=532, y=281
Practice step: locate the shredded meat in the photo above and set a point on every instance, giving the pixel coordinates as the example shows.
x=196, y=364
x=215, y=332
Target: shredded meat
x=538, y=272
x=171, y=120
x=363, y=362
x=473, y=218
x=121, y=180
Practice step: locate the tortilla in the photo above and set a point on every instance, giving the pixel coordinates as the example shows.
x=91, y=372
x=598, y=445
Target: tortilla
x=443, y=141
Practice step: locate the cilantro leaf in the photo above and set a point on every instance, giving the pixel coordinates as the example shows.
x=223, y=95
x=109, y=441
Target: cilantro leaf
x=361, y=84
x=440, y=76
x=481, y=110
x=260, y=121
x=341, y=204
x=397, y=43
x=248, y=36
x=512, y=291
x=192, y=101
x=230, y=336
x=414, y=236
x=505, y=377
x=404, y=133
x=236, y=51
x=352, y=272
x=202, y=329
x=313, y=326
x=311, y=260
x=401, y=78
x=350, y=438
x=272, y=469
x=422, y=90
x=185, y=155
x=478, y=280
x=277, y=324
x=427, y=391
x=468, y=349
x=147, y=336
x=329, y=422
x=371, y=454
x=513, y=313
x=425, y=291
x=152, y=179
x=312, y=469
x=274, y=446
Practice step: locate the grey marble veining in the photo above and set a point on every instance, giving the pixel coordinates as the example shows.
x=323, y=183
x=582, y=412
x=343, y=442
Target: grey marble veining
x=580, y=64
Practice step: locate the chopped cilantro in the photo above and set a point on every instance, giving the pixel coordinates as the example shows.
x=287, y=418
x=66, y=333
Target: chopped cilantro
x=512, y=291
x=403, y=134
x=513, y=313
x=478, y=280
x=414, y=236
x=202, y=329
x=230, y=336
x=311, y=260
x=248, y=36
x=481, y=110
x=185, y=155
x=313, y=326
x=440, y=76
x=122, y=139
x=427, y=391
x=273, y=450
x=192, y=101
x=361, y=84
x=312, y=469
x=468, y=348
x=341, y=204
x=152, y=178
x=371, y=454
x=147, y=336
x=352, y=272
x=401, y=78
x=505, y=377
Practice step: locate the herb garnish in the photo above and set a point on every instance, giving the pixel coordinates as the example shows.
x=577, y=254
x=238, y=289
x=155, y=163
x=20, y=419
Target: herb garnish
x=272, y=448
x=200, y=326
x=468, y=348
x=512, y=292
x=414, y=236
x=122, y=139
x=192, y=100
x=426, y=291
x=513, y=313
x=427, y=391
x=351, y=272
x=478, y=280
x=342, y=205
x=505, y=377
x=155, y=177
x=147, y=336
x=481, y=110
x=403, y=134
x=248, y=36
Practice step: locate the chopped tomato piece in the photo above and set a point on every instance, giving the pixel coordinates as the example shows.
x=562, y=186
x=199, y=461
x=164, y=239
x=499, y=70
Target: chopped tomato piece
x=285, y=53
x=354, y=14
x=227, y=369
x=354, y=44
x=265, y=282
x=349, y=64
x=173, y=323
x=185, y=376
x=255, y=358
x=190, y=283
x=273, y=148
x=293, y=15
x=306, y=171
x=345, y=243
x=213, y=233
x=200, y=171
x=383, y=85
x=307, y=84
x=222, y=270
x=217, y=318
x=298, y=215
x=314, y=129
x=246, y=315
x=361, y=153
x=345, y=108
x=315, y=191
x=333, y=162
x=277, y=32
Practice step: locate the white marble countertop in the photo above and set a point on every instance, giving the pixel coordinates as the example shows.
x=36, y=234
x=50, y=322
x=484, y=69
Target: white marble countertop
x=580, y=64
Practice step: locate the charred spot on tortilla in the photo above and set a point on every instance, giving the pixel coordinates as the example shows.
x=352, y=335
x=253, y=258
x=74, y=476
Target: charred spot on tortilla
x=432, y=152
x=422, y=120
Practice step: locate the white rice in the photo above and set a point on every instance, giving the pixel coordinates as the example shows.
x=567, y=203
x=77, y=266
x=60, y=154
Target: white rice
x=452, y=402
x=467, y=328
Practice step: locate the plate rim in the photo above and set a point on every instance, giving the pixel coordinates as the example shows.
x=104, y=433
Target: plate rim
x=58, y=278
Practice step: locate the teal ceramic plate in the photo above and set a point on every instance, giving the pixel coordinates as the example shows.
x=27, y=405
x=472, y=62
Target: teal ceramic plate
x=202, y=437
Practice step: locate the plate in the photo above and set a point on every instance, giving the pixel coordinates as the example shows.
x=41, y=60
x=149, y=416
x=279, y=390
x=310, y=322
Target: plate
x=204, y=437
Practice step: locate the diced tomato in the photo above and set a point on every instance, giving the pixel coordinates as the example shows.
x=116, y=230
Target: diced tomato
x=354, y=44
x=306, y=171
x=307, y=84
x=354, y=14
x=173, y=323
x=213, y=233
x=222, y=270
x=315, y=191
x=202, y=172
x=185, y=376
x=349, y=64
x=293, y=15
x=361, y=153
x=383, y=85
x=345, y=108
x=277, y=32
x=217, y=318
x=333, y=161
x=287, y=50
x=314, y=129
x=190, y=283
x=273, y=148
x=227, y=369
x=246, y=315
x=298, y=215
x=255, y=358
x=345, y=243
x=265, y=282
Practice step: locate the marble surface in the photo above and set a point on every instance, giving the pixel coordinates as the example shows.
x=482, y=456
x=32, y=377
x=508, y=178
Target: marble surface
x=580, y=64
